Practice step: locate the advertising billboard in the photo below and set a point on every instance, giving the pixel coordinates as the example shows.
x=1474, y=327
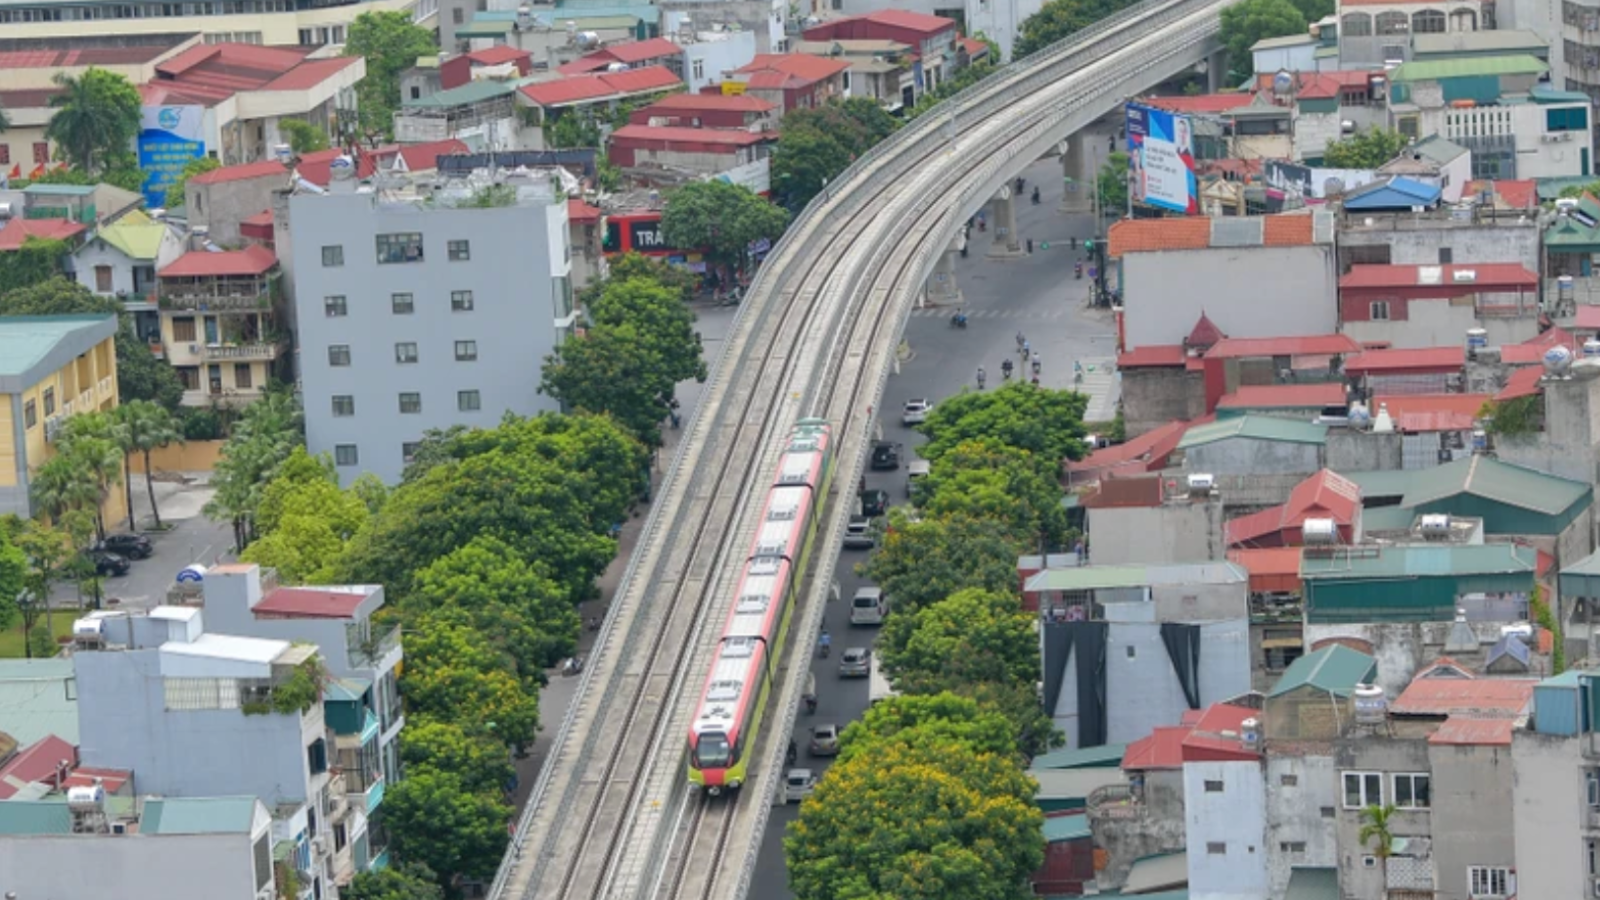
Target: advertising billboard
x=169, y=137
x=1161, y=159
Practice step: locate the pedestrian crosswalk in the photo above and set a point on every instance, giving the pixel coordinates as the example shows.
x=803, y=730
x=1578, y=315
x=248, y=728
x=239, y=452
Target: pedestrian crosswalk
x=992, y=312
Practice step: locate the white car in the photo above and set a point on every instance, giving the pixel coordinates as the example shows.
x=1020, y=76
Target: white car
x=798, y=785
x=916, y=411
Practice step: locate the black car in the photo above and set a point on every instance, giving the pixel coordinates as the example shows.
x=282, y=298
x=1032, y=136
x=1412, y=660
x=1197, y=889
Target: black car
x=885, y=455
x=133, y=546
x=109, y=563
x=874, y=503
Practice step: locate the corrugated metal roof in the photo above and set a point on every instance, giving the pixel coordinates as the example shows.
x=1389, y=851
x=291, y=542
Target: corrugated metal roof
x=1081, y=757
x=1284, y=396
x=1153, y=872
x=135, y=234
x=31, y=818
x=1088, y=578
x=1469, y=278
x=1116, y=493
x=1152, y=356
x=1491, y=479
x=1419, y=561
x=252, y=260
x=1522, y=382
x=198, y=815
x=1070, y=827
x=1261, y=428
x=1481, y=697
x=1336, y=669
x=1383, y=362
x=1470, y=67
x=26, y=341
x=1464, y=731
x=1308, y=345
x=1162, y=748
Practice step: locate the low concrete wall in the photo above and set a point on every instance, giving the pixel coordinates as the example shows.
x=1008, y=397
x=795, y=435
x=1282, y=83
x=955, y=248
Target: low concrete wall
x=195, y=456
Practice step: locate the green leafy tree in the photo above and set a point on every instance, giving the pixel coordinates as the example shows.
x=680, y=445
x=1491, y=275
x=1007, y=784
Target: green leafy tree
x=452, y=675
x=303, y=136
x=481, y=762
x=390, y=42
x=143, y=427
x=1366, y=150
x=1111, y=185
x=304, y=520
x=571, y=130
x=435, y=821
x=47, y=550
x=38, y=260
x=723, y=218
x=265, y=435
x=1035, y=732
x=408, y=881
x=920, y=563
x=435, y=447
x=97, y=116
x=13, y=582
x=1314, y=10
x=1375, y=820
x=970, y=637
x=803, y=163
x=1046, y=423
x=929, y=719
x=1060, y=19
x=199, y=166
x=986, y=479
x=1249, y=21
x=55, y=296
x=631, y=265
x=917, y=820
x=857, y=123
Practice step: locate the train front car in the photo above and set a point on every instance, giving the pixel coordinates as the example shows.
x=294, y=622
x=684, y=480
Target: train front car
x=737, y=688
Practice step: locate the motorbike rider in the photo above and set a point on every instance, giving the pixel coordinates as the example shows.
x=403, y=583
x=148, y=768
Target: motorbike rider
x=825, y=642
x=1005, y=370
x=981, y=377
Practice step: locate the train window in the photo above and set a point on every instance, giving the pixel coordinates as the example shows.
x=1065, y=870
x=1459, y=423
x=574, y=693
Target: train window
x=736, y=648
x=754, y=603
x=765, y=565
x=712, y=750
x=770, y=547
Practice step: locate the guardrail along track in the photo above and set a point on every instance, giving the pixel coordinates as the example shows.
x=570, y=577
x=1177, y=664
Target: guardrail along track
x=813, y=338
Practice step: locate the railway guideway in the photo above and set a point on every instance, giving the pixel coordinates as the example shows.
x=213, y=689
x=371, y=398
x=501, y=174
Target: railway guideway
x=914, y=191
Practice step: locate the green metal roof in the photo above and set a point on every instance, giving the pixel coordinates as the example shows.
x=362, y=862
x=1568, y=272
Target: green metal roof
x=1543, y=93
x=1336, y=669
x=1381, y=483
x=1470, y=67
x=349, y=690
x=1582, y=578
x=1491, y=479
x=198, y=815
x=1312, y=884
x=59, y=190
x=1418, y=561
x=1387, y=518
x=1438, y=149
x=35, y=817
x=1091, y=578
x=1082, y=758
x=1066, y=828
x=136, y=235
x=1261, y=428
x=480, y=28
x=1569, y=678
x=36, y=700
x=32, y=347
x=1567, y=231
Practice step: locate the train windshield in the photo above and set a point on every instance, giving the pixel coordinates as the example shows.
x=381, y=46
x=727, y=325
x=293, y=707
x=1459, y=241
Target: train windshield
x=713, y=751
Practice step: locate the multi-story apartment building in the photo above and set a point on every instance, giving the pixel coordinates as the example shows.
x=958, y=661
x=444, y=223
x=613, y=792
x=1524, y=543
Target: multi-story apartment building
x=219, y=324
x=194, y=714
x=416, y=314
x=307, y=23
x=51, y=368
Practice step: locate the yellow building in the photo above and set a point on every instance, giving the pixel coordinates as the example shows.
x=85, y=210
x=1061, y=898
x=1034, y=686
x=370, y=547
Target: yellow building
x=51, y=368
x=269, y=22
x=219, y=324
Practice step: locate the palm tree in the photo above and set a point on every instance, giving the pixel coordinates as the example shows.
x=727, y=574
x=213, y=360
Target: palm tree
x=1375, y=826
x=96, y=116
x=60, y=485
x=144, y=426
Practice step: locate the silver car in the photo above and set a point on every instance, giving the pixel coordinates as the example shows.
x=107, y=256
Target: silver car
x=824, y=740
x=798, y=785
x=915, y=412
x=856, y=663
x=858, y=534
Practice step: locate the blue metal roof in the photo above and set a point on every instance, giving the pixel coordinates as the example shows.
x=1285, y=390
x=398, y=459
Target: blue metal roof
x=1508, y=645
x=1397, y=193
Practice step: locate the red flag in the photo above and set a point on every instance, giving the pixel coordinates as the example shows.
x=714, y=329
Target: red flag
x=61, y=166
x=16, y=171
x=37, y=171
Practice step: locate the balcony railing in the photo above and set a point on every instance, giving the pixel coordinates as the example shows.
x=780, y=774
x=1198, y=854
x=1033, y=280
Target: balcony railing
x=371, y=652
x=254, y=350
x=1115, y=801
x=221, y=295
x=373, y=795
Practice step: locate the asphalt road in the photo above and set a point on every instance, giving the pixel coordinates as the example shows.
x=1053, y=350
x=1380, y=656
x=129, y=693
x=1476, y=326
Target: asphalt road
x=1036, y=295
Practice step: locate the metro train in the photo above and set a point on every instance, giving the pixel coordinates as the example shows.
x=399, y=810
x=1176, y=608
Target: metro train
x=737, y=688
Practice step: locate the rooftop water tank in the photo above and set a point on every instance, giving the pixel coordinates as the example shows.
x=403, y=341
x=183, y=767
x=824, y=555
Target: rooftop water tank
x=1372, y=707
x=1250, y=733
x=1319, y=531
x=86, y=629
x=1201, y=483
x=1522, y=630
x=1436, y=525
x=86, y=799
x=1558, y=360
x=1477, y=339
x=1591, y=347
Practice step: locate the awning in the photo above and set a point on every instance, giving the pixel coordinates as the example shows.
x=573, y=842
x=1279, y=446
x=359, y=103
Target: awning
x=1154, y=873
x=1312, y=884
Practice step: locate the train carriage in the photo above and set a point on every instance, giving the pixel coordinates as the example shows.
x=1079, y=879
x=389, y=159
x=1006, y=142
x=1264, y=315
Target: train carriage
x=728, y=718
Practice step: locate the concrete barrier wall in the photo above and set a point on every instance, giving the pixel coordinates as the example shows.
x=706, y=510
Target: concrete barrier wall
x=195, y=456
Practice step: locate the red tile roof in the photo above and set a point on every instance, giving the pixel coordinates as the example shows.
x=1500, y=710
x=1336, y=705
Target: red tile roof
x=1204, y=334
x=579, y=211
x=1218, y=735
x=1485, y=697
x=308, y=603
x=1160, y=749
x=207, y=74
x=1485, y=277
x=976, y=49
x=1524, y=382
x=1201, y=103
x=39, y=761
x=710, y=103
x=1588, y=318
x=1119, y=493
x=583, y=65
x=673, y=133
x=422, y=157
x=1325, y=495
x=1284, y=396
x=317, y=167
x=106, y=55
x=252, y=260
x=1312, y=345
x=579, y=88
x=1153, y=446
x=498, y=55
x=110, y=779
x=1151, y=356
x=17, y=231
x=261, y=218
x=1270, y=568
x=1407, y=404
x=1514, y=193
x=639, y=51
x=915, y=21
x=1194, y=233
x=1319, y=85
x=262, y=169
x=803, y=67
x=1465, y=731
x=1415, y=359
x=28, y=98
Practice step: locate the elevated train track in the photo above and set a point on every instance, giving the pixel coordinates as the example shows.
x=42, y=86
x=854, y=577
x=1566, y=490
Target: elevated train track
x=611, y=816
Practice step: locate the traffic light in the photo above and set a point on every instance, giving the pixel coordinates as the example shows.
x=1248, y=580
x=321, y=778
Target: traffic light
x=1088, y=245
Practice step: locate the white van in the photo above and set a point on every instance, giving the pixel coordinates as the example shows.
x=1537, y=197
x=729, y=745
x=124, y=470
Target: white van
x=868, y=607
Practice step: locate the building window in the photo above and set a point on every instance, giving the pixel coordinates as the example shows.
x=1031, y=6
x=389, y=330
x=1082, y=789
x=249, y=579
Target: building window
x=1292, y=846
x=408, y=451
x=335, y=306
x=400, y=248
x=1328, y=812
x=1574, y=118
x=41, y=153
x=1411, y=791
x=1378, y=311
x=1217, y=848
x=5, y=154
x=1213, y=787
x=698, y=70
x=1487, y=881
x=1428, y=21
x=345, y=454
x=102, y=279
x=460, y=251
x=411, y=403
x=242, y=377
x=466, y=351
x=344, y=405
x=1591, y=780
x=405, y=352
x=458, y=16
x=183, y=329
x=1447, y=255
x=468, y=401
x=1362, y=789
x=30, y=414
x=189, y=376
x=49, y=401
x=461, y=301
x=1288, y=780
x=339, y=355
x=332, y=256
x=403, y=304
